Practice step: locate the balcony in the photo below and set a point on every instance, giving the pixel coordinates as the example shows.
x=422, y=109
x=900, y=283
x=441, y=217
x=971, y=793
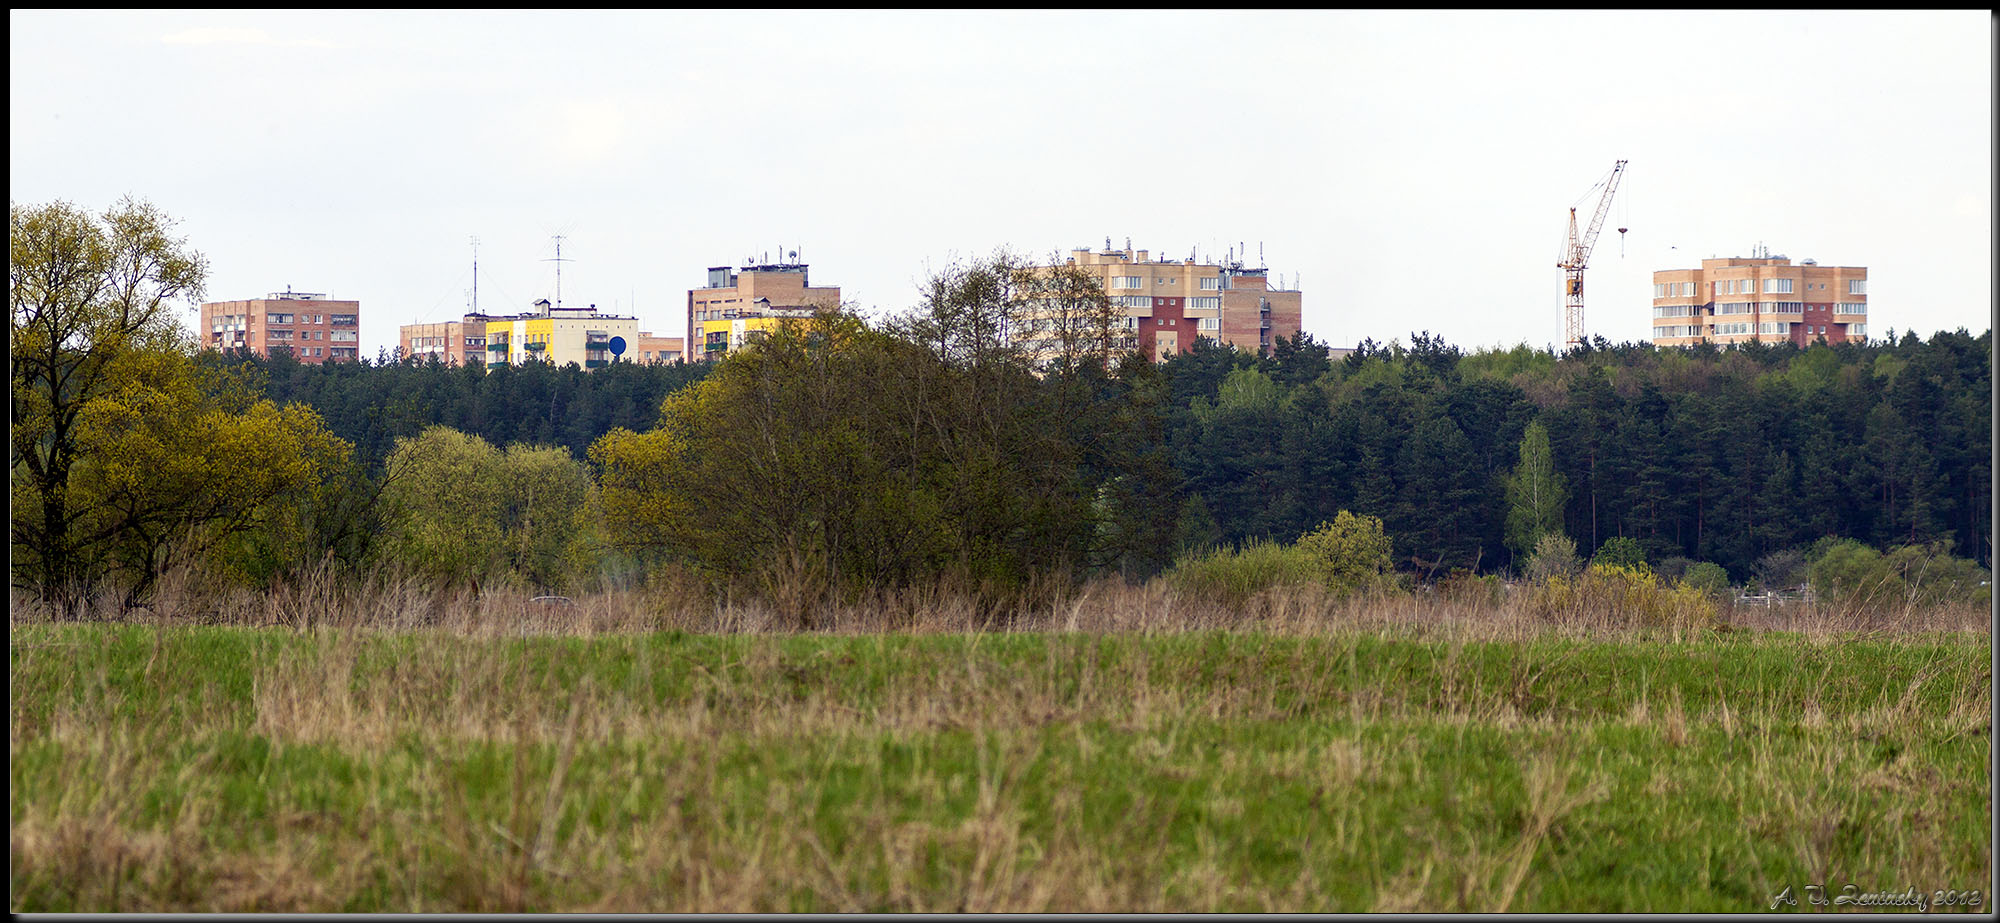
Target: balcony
x=596, y=363
x=497, y=365
x=499, y=347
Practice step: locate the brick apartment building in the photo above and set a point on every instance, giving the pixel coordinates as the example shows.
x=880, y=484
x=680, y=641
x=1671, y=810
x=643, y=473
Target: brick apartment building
x=1167, y=304
x=739, y=303
x=1762, y=299
x=312, y=327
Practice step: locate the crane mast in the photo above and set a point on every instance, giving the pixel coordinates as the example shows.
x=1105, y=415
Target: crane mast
x=1576, y=255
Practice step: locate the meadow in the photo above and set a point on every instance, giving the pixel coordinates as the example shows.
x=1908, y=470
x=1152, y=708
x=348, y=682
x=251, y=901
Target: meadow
x=1117, y=753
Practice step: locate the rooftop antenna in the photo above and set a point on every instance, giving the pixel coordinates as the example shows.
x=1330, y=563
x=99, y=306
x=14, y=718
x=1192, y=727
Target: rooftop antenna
x=1260, y=253
x=558, y=261
x=475, y=275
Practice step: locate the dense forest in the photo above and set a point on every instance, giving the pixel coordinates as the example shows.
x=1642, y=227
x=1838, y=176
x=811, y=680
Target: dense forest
x=1711, y=454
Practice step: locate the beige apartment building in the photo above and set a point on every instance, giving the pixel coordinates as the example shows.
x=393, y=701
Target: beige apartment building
x=461, y=341
x=1760, y=299
x=738, y=304
x=311, y=327
x=557, y=335
x=1167, y=304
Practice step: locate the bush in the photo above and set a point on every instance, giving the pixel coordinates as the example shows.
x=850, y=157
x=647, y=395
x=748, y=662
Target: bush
x=1847, y=572
x=1352, y=552
x=1707, y=577
x=1554, y=556
x=1620, y=552
x=1622, y=595
x=1232, y=576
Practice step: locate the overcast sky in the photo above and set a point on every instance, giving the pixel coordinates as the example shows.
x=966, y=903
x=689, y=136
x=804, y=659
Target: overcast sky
x=1410, y=171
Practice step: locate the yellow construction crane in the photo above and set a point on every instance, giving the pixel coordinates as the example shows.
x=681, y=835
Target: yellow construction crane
x=1576, y=255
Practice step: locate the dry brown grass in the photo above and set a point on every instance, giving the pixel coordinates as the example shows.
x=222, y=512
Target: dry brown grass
x=1467, y=613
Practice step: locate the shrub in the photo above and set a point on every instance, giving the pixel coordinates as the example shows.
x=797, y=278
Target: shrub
x=1352, y=552
x=1232, y=576
x=1847, y=572
x=1707, y=577
x=1620, y=552
x=1554, y=556
x=1622, y=595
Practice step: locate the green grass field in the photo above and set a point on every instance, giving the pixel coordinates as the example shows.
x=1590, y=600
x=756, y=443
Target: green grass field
x=238, y=769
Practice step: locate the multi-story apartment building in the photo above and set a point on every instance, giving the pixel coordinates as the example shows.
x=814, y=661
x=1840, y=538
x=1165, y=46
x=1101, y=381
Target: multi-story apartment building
x=1167, y=304
x=1763, y=299
x=740, y=303
x=553, y=334
x=559, y=335
x=452, y=342
x=654, y=350
x=312, y=327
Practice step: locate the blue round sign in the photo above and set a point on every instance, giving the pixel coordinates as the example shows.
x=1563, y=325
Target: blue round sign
x=617, y=346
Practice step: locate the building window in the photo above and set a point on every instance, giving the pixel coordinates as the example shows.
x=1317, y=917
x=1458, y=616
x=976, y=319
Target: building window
x=1859, y=331
x=1777, y=286
x=1132, y=301
x=1212, y=284
x=278, y=318
x=1777, y=327
x=1732, y=307
x=1126, y=282
x=1209, y=303
x=345, y=336
x=1857, y=286
x=1851, y=307
x=344, y=320
x=1209, y=323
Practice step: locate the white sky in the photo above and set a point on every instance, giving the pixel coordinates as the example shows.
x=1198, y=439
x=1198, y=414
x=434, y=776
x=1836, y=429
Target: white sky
x=1413, y=170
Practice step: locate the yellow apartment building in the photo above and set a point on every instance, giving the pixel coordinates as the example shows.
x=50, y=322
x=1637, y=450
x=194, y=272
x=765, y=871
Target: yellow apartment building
x=739, y=304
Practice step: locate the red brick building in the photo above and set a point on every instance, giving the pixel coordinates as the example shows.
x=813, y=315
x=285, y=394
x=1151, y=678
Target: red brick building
x=312, y=327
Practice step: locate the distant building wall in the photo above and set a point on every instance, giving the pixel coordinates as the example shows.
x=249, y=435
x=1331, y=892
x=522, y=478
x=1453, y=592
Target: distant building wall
x=1760, y=299
x=312, y=327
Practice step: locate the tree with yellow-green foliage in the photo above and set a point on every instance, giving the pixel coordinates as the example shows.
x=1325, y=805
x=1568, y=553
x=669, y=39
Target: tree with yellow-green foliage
x=461, y=510
x=126, y=456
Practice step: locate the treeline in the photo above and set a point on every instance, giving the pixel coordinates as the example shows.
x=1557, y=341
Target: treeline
x=967, y=439
x=1718, y=455
x=1714, y=455
x=372, y=404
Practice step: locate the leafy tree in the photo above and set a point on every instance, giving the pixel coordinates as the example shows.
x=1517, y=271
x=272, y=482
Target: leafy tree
x=1536, y=493
x=126, y=455
x=445, y=499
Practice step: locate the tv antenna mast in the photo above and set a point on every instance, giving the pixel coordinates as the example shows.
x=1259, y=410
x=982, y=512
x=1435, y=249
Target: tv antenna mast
x=558, y=261
x=475, y=275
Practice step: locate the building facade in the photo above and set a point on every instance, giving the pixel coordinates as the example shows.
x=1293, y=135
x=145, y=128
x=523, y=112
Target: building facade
x=1760, y=299
x=311, y=327
x=451, y=342
x=1168, y=304
x=557, y=335
x=738, y=304
x=579, y=335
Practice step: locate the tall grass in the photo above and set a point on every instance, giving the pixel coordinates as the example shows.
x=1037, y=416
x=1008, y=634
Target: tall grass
x=334, y=769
